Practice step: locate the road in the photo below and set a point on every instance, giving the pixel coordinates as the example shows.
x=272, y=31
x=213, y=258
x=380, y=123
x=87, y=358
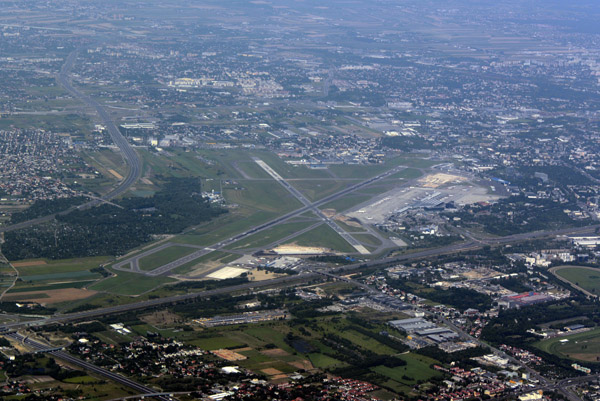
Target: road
x=292, y=280
x=70, y=317
x=545, y=384
x=129, y=154
x=40, y=347
x=287, y=280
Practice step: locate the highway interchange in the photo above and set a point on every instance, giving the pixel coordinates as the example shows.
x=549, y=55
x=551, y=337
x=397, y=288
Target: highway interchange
x=129, y=154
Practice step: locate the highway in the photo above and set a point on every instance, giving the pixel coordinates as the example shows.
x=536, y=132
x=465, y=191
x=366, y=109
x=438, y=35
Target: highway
x=70, y=317
x=288, y=280
x=129, y=154
x=38, y=346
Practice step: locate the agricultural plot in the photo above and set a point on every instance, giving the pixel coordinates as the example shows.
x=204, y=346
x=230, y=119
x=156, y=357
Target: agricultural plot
x=56, y=281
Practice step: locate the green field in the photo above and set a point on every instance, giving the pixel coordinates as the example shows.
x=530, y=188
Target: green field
x=42, y=274
x=262, y=195
x=322, y=361
x=346, y=202
x=130, y=284
x=323, y=236
x=586, y=278
x=61, y=276
x=368, y=239
x=314, y=190
x=207, y=261
x=60, y=266
x=582, y=346
x=362, y=171
x=417, y=368
x=271, y=235
x=164, y=256
x=212, y=343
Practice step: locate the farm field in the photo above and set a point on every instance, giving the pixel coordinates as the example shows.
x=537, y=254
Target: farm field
x=55, y=281
x=278, y=348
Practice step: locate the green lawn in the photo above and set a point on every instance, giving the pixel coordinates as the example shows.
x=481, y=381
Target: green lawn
x=269, y=335
x=368, y=239
x=582, y=346
x=208, y=259
x=61, y=276
x=346, y=202
x=218, y=342
x=262, y=195
x=366, y=342
x=322, y=361
x=588, y=279
x=164, y=256
x=417, y=368
x=314, y=190
x=271, y=235
x=323, y=236
x=25, y=287
x=130, y=283
x=82, y=380
x=61, y=266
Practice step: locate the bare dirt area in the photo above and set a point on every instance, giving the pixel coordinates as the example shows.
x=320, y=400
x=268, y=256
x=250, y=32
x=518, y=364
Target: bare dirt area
x=203, y=267
x=303, y=364
x=292, y=249
x=585, y=357
x=30, y=263
x=261, y=275
x=275, y=352
x=51, y=296
x=439, y=179
x=229, y=355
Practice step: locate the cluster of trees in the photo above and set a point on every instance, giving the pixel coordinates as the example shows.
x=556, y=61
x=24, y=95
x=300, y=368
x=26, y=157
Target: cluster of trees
x=459, y=298
x=337, y=259
x=46, y=207
x=513, y=284
x=407, y=143
x=112, y=230
x=510, y=327
x=28, y=364
x=32, y=309
x=525, y=175
x=518, y=214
